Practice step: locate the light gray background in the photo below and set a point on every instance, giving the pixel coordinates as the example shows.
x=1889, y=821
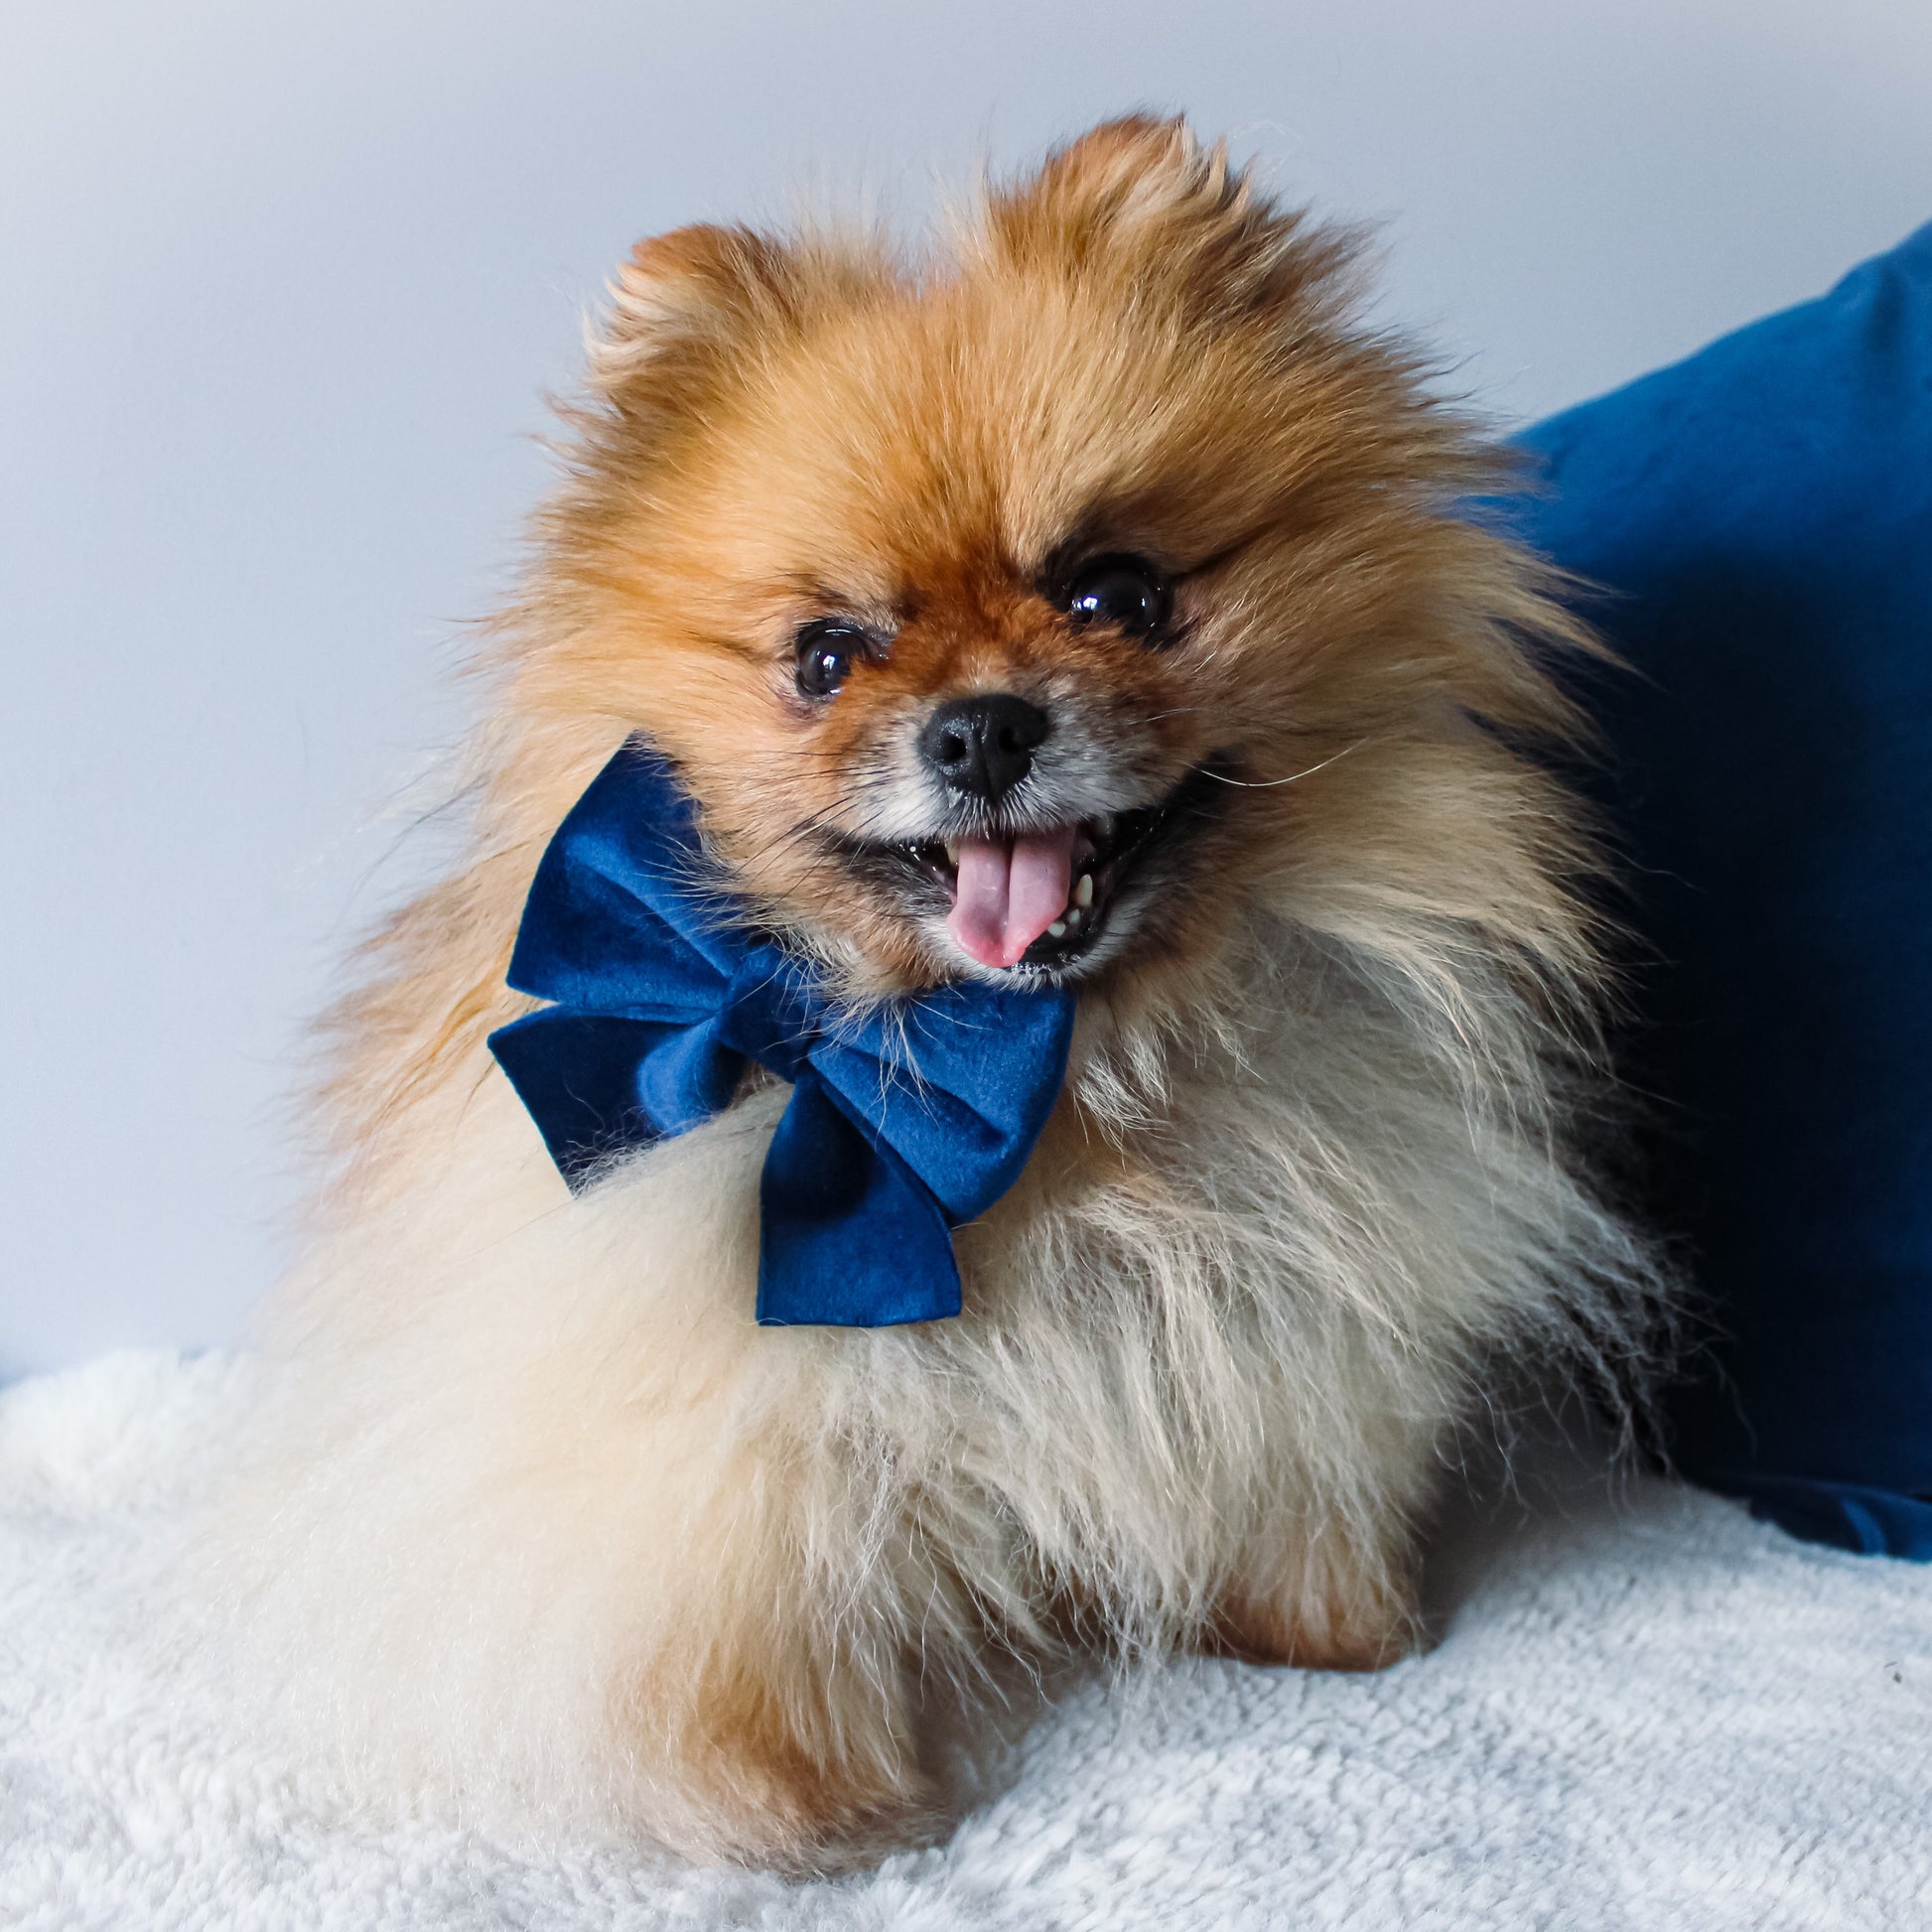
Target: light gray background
x=281, y=288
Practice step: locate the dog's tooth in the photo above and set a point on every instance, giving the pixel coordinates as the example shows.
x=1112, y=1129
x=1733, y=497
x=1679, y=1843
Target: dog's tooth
x=1083, y=892
x=952, y=852
x=1072, y=918
x=1058, y=930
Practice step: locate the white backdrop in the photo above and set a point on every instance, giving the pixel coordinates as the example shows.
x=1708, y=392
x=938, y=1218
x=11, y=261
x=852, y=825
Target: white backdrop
x=281, y=287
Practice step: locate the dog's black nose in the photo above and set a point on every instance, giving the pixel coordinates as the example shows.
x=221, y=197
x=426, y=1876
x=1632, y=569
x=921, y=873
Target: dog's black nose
x=984, y=745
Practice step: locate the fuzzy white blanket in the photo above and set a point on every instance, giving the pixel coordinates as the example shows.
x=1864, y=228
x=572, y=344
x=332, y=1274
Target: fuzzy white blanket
x=1650, y=1713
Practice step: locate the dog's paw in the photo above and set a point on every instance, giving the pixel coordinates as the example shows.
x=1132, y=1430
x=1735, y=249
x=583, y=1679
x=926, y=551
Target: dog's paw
x=804, y=1778
x=1332, y=1616
x=806, y=1817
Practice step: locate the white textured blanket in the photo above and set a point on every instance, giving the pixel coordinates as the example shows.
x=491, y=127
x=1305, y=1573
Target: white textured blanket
x=1653, y=1714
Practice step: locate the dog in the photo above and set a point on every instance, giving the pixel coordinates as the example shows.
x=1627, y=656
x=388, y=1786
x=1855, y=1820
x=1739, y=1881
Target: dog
x=1085, y=606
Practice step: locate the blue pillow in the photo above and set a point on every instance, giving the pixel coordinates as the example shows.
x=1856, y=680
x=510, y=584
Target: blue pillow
x=1762, y=516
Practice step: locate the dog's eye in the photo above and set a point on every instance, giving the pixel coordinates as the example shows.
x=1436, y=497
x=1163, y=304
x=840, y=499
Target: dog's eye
x=1126, y=592
x=826, y=650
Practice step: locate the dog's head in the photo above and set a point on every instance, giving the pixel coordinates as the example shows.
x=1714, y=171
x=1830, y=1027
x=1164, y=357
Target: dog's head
x=1041, y=607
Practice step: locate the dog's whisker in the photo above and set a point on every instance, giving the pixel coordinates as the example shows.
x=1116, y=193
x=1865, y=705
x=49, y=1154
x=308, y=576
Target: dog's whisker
x=1293, y=777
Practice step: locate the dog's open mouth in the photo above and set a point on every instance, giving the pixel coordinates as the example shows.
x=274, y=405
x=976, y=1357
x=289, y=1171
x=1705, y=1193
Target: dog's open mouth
x=1040, y=898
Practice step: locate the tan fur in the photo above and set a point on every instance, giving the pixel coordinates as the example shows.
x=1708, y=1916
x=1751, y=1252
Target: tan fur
x=539, y=1520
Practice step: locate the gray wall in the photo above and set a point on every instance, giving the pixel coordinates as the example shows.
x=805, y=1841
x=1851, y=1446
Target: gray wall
x=280, y=287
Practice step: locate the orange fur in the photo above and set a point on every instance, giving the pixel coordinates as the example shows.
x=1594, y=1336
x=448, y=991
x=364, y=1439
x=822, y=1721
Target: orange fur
x=1313, y=1148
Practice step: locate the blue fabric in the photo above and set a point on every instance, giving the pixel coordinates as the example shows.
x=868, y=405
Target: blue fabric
x=903, y=1121
x=1763, y=515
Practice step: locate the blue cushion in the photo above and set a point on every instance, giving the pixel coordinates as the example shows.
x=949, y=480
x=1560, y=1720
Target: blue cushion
x=1763, y=515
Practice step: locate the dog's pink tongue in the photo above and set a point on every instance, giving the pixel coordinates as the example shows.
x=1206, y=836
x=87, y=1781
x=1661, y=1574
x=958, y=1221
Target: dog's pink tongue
x=1008, y=894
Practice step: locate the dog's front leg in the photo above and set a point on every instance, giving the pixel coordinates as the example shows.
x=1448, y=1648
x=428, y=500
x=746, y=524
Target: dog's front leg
x=777, y=1695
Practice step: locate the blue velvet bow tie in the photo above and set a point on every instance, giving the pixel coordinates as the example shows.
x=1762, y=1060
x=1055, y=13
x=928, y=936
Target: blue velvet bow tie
x=903, y=1120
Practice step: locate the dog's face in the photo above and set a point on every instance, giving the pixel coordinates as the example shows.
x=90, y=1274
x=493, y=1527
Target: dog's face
x=1002, y=615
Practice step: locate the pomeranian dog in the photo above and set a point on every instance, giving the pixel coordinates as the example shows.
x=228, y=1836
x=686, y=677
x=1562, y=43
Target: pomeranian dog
x=1083, y=606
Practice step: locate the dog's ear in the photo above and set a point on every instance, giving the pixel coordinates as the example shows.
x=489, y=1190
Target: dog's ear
x=686, y=304
x=681, y=304
x=1122, y=176
x=1142, y=203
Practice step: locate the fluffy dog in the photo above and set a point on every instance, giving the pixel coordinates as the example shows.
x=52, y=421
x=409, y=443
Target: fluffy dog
x=1084, y=602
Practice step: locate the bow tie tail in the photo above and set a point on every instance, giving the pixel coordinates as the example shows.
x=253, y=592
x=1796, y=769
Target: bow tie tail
x=852, y=1237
